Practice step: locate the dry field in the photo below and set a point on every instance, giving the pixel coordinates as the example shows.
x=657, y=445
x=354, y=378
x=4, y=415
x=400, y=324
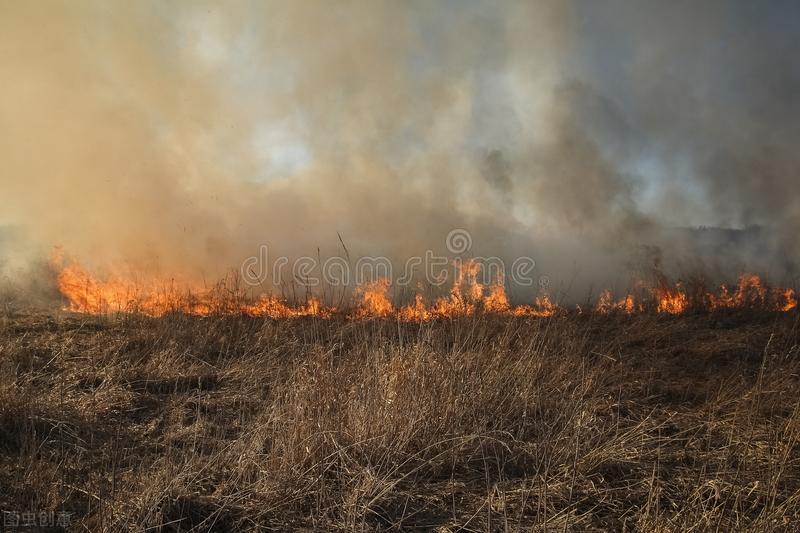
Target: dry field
x=568, y=423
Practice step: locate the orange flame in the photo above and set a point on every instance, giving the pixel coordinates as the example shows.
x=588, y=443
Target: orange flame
x=86, y=294
x=468, y=296
x=671, y=300
x=749, y=291
x=273, y=307
x=606, y=304
x=790, y=300
x=542, y=307
x=375, y=300
x=418, y=312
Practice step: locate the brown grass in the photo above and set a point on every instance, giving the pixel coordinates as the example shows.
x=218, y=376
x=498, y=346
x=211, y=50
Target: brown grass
x=573, y=423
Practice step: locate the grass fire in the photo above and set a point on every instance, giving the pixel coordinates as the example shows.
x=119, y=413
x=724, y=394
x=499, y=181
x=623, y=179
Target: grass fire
x=83, y=293
x=442, y=266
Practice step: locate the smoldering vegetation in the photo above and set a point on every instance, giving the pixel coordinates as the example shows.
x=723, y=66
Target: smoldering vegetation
x=572, y=423
x=27, y=281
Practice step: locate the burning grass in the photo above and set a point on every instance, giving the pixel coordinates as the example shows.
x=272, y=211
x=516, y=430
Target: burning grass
x=468, y=295
x=480, y=422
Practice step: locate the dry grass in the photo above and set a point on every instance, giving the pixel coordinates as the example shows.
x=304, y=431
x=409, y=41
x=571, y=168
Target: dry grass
x=572, y=423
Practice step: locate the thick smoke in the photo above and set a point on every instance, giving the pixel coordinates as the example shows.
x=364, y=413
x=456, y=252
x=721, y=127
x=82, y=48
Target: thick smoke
x=177, y=138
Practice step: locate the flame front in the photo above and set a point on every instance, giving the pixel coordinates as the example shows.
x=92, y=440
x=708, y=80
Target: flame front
x=468, y=296
x=606, y=304
x=86, y=294
x=671, y=300
x=375, y=300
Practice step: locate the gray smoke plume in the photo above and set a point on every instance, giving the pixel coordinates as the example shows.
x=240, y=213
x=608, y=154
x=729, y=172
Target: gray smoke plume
x=177, y=137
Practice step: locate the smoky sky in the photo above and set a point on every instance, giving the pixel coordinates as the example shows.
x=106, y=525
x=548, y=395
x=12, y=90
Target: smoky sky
x=177, y=137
